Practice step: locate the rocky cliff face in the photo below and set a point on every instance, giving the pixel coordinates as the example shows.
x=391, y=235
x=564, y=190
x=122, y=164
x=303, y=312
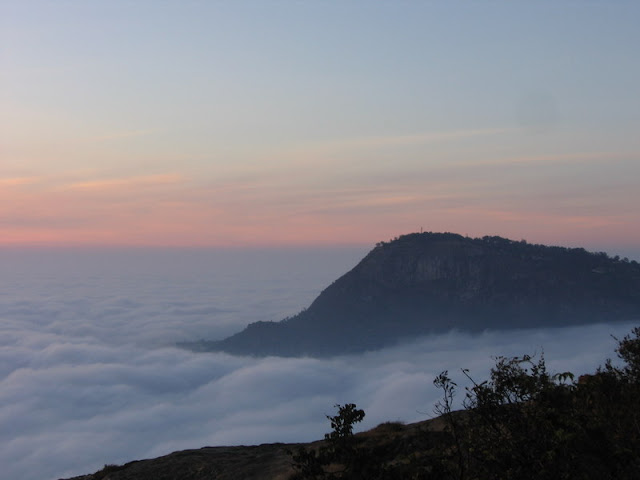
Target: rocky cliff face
x=433, y=282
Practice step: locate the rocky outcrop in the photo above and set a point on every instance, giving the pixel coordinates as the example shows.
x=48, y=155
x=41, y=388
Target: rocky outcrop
x=434, y=282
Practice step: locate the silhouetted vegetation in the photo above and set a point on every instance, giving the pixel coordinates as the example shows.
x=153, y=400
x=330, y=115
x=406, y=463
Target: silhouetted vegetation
x=523, y=422
x=339, y=457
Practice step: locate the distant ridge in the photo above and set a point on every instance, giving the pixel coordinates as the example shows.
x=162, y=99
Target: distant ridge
x=425, y=283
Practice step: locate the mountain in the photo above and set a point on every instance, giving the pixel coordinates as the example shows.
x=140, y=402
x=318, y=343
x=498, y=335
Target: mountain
x=425, y=283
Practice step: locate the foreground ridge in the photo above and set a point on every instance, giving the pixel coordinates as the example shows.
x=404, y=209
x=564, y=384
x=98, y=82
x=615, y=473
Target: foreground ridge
x=523, y=422
x=258, y=462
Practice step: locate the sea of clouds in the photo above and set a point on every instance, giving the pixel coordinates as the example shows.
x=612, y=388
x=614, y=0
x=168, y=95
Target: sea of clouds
x=89, y=375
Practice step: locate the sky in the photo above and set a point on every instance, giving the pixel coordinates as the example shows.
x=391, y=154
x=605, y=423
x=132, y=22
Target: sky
x=280, y=123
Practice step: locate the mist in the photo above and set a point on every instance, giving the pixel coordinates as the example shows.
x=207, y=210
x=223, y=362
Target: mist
x=89, y=375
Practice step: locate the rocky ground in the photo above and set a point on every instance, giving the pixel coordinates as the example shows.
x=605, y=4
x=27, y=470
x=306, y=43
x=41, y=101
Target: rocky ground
x=263, y=462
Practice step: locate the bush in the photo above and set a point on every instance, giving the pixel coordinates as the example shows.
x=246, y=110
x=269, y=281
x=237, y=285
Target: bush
x=526, y=423
x=339, y=457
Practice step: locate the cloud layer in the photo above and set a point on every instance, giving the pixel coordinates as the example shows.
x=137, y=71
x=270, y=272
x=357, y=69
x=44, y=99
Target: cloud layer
x=87, y=375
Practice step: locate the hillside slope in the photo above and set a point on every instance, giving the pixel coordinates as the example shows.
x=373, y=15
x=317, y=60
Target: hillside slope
x=434, y=282
x=523, y=422
x=265, y=462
